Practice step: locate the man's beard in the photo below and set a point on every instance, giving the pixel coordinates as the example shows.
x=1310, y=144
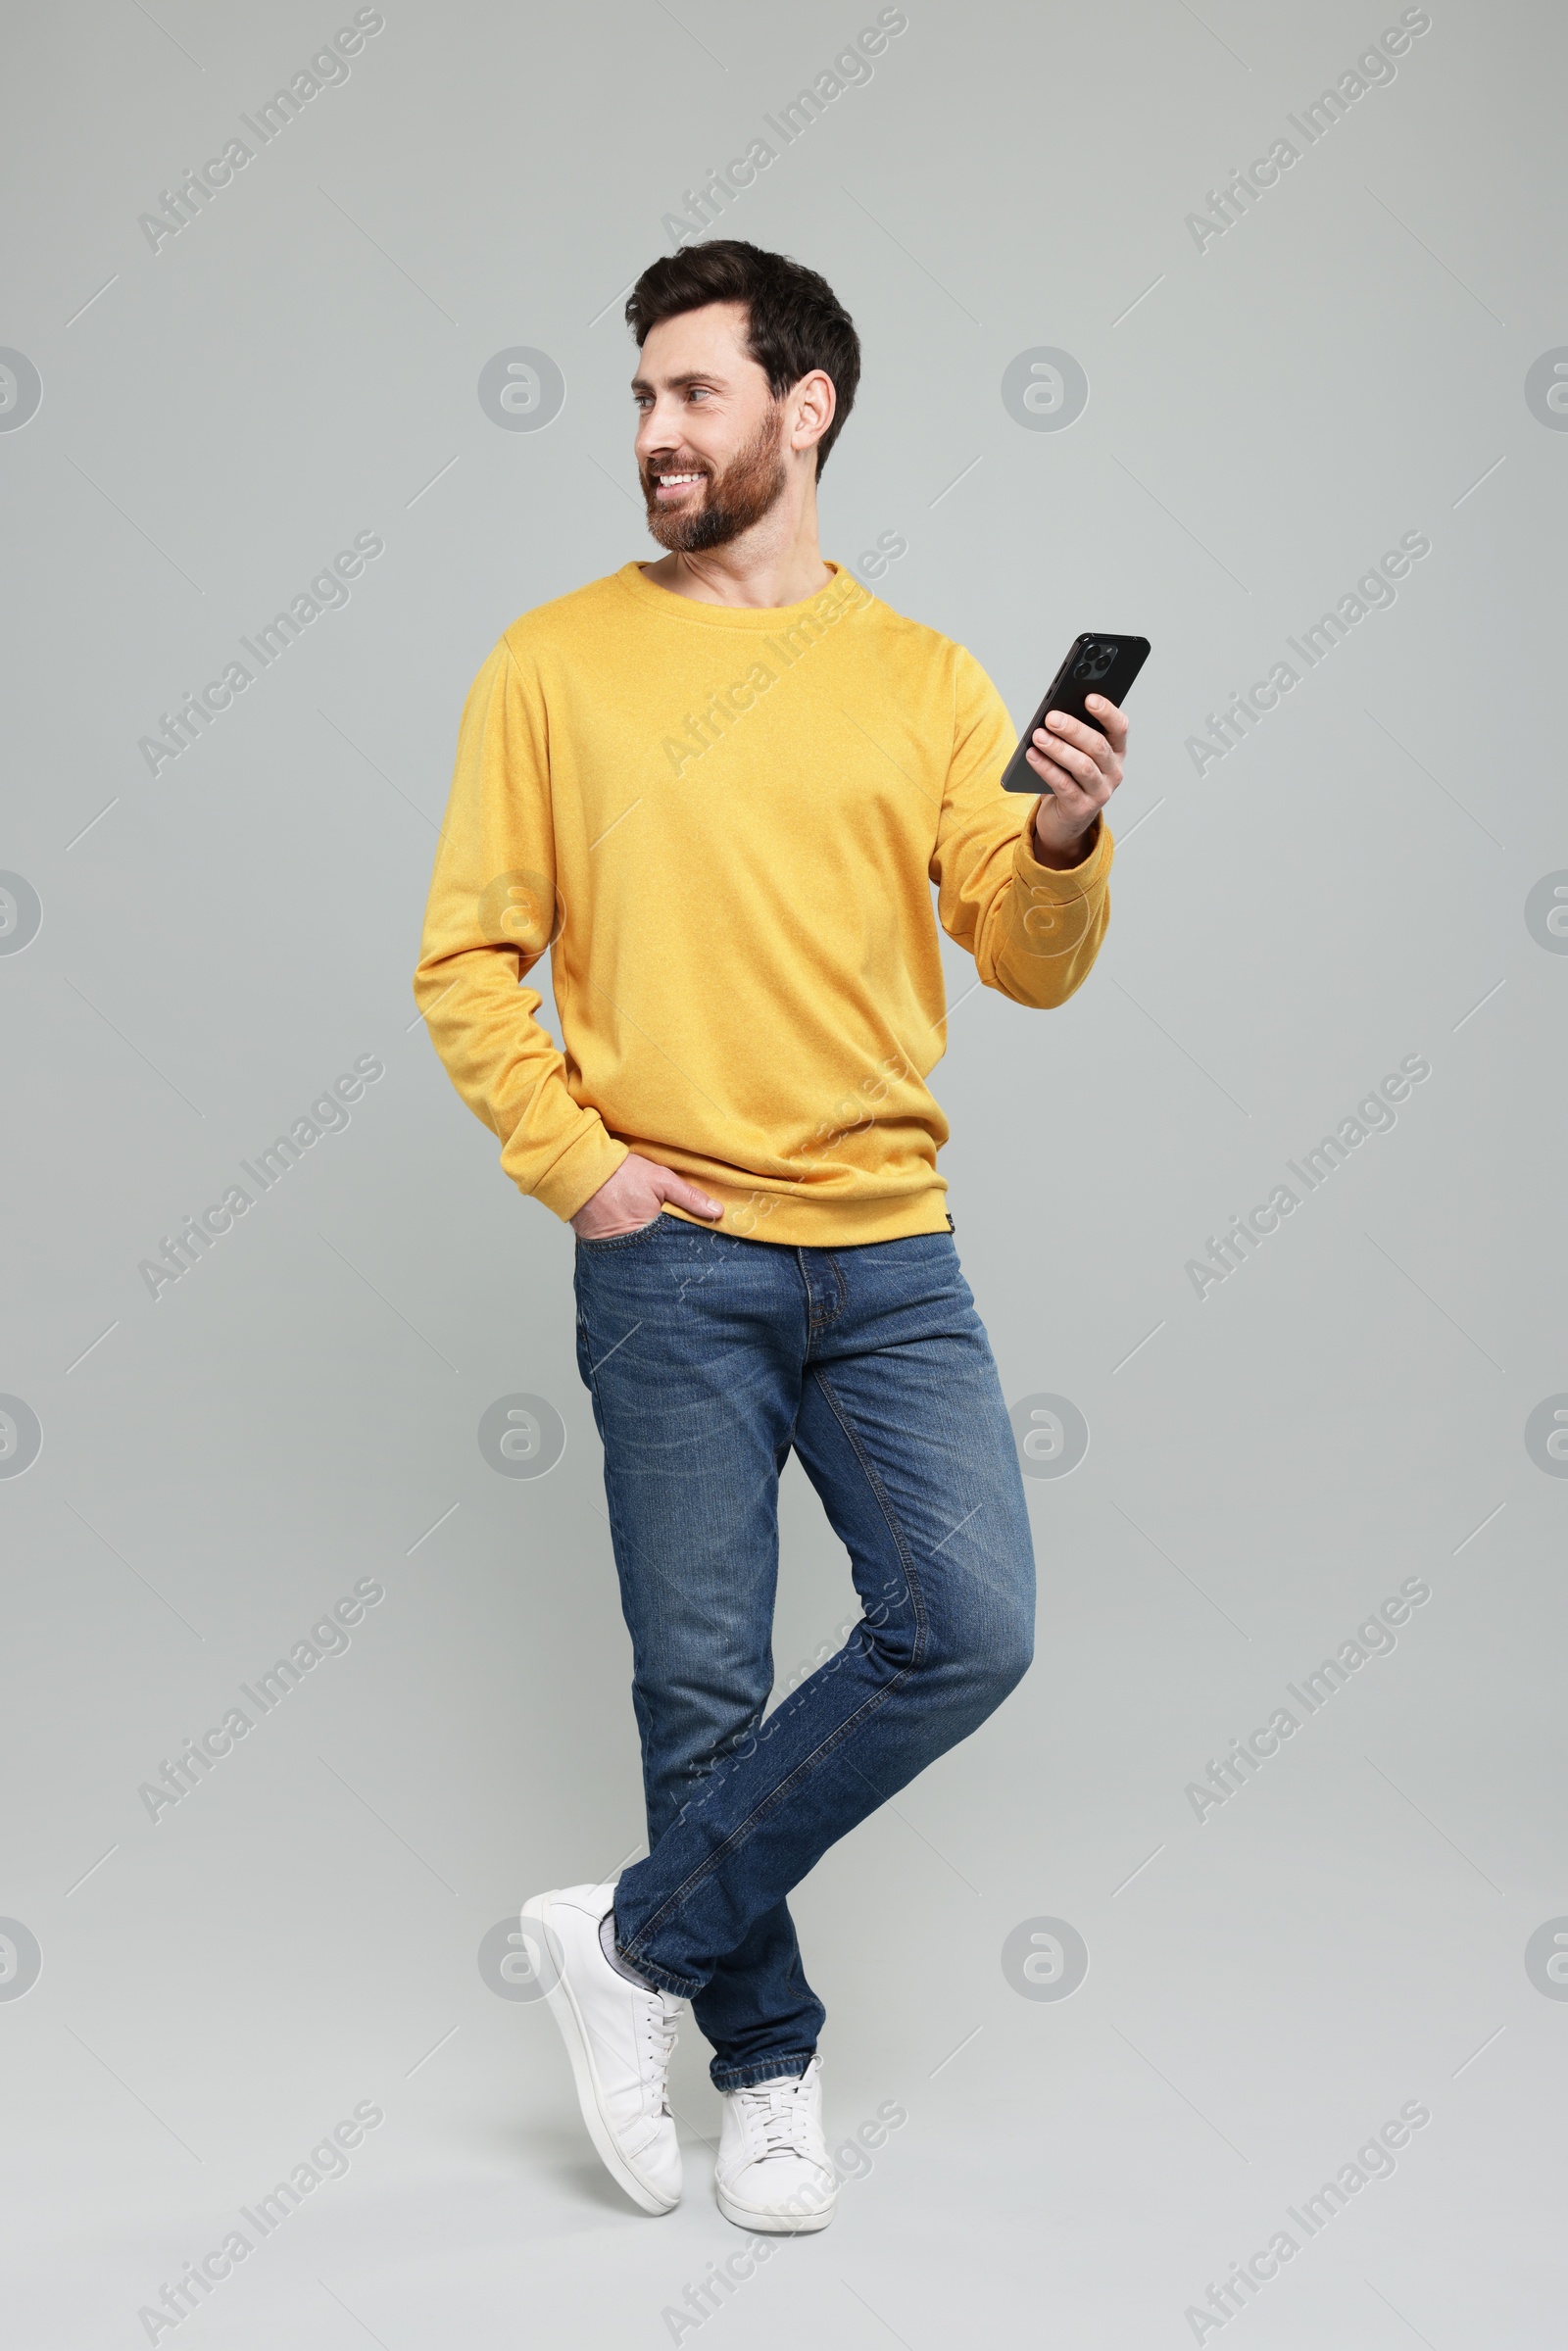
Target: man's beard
x=750, y=484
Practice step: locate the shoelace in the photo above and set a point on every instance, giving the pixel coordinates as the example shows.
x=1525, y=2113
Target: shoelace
x=774, y=2115
x=660, y=2018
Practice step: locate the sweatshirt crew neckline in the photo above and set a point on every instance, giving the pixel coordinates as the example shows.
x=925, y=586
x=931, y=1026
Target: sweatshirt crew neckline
x=758, y=618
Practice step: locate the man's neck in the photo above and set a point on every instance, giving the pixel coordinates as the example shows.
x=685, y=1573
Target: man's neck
x=777, y=562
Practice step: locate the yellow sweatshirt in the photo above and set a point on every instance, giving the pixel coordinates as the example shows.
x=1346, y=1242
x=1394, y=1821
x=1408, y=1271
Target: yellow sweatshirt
x=723, y=825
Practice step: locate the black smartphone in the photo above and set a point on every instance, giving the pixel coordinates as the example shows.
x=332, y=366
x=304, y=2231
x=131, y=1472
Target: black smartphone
x=1097, y=664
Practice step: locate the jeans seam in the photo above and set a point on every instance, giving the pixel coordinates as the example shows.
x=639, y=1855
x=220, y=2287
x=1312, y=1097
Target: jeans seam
x=818, y=1754
x=869, y=1469
x=591, y=1381
x=618, y=1534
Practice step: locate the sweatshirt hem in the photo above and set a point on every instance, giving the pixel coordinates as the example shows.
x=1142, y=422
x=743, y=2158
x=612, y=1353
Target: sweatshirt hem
x=820, y=1224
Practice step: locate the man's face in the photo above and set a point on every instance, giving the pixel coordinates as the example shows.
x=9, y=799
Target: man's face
x=710, y=445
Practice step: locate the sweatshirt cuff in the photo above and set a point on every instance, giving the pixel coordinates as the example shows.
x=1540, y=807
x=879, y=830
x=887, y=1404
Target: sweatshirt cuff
x=571, y=1179
x=1063, y=883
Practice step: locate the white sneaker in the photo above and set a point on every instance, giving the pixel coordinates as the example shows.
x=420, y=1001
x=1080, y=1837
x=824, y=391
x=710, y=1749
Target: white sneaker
x=774, y=2173
x=618, y=2036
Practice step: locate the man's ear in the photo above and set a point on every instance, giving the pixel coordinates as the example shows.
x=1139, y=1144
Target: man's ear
x=813, y=402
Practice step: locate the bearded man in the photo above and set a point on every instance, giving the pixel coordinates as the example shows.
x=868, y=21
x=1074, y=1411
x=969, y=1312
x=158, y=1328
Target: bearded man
x=717, y=789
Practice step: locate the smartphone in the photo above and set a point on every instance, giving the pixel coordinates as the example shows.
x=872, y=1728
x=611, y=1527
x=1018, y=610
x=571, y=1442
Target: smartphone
x=1097, y=664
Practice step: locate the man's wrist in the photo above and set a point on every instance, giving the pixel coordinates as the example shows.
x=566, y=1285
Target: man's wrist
x=1061, y=857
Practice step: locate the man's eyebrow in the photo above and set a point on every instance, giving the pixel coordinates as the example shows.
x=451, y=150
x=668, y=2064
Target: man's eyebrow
x=683, y=383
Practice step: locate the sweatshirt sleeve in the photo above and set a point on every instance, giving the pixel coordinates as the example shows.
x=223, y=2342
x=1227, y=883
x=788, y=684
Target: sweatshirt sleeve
x=493, y=910
x=1034, y=932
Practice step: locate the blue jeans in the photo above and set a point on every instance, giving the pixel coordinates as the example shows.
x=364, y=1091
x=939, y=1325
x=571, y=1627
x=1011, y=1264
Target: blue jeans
x=708, y=1357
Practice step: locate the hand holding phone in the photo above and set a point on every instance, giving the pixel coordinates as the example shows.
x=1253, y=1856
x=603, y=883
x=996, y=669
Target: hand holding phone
x=1097, y=662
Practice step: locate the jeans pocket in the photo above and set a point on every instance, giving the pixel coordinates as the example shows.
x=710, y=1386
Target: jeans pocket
x=639, y=1232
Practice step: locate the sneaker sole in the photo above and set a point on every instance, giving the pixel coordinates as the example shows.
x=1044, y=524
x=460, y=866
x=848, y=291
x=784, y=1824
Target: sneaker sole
x=564, y=2008
x=770, y=2224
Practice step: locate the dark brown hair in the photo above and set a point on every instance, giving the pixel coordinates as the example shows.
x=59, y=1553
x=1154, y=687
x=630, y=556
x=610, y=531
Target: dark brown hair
x=795, y=321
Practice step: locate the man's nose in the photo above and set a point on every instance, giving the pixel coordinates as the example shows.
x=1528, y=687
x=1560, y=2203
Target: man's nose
x=657, y=429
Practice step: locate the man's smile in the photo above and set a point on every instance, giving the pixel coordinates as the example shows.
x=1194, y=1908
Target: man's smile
x=674, y=485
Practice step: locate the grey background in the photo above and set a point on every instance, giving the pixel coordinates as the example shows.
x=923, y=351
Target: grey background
x=1265, y=417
